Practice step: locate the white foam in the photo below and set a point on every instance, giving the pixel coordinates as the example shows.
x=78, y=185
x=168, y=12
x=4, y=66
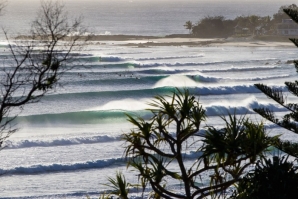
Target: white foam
x=176, y=81
x=243, y=107
x=59, y=141
x=56, y=167
x=125, y=104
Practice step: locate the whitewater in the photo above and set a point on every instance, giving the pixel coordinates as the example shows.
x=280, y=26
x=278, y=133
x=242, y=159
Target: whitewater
x=70, y=142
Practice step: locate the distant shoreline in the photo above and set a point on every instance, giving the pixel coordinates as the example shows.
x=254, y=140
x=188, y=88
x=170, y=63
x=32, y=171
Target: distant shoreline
x=187, y=40
x=192, y=41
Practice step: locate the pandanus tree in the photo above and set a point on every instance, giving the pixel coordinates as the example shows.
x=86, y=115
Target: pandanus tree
x=157, y=148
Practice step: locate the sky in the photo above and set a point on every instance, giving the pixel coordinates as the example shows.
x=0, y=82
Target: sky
x=145, y=0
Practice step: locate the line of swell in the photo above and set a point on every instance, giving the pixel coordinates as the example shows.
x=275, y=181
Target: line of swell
x=60, y=142
x=215, y=110
x=169, y=57
x=169, y=70
x=236, y=69
x=93, y=117
x=257, y=78
x=204, y=78
x=113, y=58
x=164, y=70
x=206, y=63
x=60, y=167
x=150, y=92
x=135, y=63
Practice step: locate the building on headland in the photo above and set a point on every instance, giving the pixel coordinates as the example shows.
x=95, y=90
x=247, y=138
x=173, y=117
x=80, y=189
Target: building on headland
x=239, y=30
x=287, y=27
x=262, y=29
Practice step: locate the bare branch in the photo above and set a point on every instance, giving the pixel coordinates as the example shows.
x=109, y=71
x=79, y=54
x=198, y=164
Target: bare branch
x=35, y=65
x=3, y=4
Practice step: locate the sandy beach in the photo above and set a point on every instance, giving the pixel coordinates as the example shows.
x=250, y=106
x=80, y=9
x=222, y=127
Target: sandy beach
x=206, y=42
x=186, y=40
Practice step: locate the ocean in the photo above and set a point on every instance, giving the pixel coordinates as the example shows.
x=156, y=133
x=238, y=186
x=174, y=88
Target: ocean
x=70, y=142
x=138, y=17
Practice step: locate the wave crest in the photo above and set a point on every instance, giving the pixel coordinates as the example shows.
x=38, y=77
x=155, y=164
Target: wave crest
x=56, y=167
x=60, y=142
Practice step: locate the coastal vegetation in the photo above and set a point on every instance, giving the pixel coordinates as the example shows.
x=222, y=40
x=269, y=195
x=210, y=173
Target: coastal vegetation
x=218, y=26
x=277, y=178
x=160, y=156
x=289, y=120
x=235, y=158
x=274, y=178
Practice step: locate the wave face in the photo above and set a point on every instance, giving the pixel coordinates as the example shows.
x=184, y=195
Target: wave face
x=76, y=132
x=60, y=142
x=62, y=167
x=35, y=169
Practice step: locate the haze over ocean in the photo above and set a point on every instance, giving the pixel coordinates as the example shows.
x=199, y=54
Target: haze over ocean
x=139, y=17
x=70, y=142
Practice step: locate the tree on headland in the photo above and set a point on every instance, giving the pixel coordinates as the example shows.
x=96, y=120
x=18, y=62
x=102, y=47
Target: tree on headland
x=218, y=26
x=171, y=147
x=280, y=15
x=254, y=22
x=215, y=26
x=34, y=66
x=188, y=25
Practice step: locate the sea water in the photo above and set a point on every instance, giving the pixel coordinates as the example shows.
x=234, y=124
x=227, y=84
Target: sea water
x=69, y=143
x=139, y=17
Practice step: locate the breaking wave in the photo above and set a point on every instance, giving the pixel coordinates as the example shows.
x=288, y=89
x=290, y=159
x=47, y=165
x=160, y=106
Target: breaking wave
x=169, y=57
x=60, y=142
x=63, y=167
x=58, y=167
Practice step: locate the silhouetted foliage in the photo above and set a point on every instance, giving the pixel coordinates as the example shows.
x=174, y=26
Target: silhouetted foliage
x=188, y=25
x=119, y=186
x=2, y=6
x=277, y=17
x=277, y=179
x=213, y=27
x=222, y=154
x=274, y=179
x=290, y=119
x=218, y=26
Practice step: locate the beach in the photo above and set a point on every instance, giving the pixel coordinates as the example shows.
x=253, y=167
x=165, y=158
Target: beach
x=189, y=40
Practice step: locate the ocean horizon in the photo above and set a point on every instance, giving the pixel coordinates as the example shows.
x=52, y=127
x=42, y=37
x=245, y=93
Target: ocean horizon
x=137, y=17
